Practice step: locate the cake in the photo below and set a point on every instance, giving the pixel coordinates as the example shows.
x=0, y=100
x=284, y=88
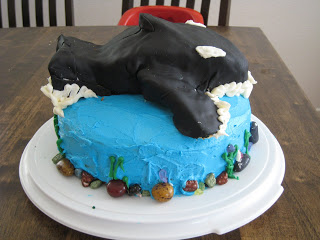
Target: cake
x=162, y=109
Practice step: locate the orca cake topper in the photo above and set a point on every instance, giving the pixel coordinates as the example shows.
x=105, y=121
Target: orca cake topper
x=174, y=64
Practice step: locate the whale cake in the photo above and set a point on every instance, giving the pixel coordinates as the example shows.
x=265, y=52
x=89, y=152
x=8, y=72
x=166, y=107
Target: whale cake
x=160, y=110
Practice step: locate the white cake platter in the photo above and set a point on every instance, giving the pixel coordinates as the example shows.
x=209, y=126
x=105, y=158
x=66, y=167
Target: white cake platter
x=220, y=209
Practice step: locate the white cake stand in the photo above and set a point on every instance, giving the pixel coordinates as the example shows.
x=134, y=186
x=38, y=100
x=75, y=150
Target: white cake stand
x=219, y=210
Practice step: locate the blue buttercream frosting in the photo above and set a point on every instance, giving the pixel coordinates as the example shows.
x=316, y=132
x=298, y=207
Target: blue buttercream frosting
x=143, y=133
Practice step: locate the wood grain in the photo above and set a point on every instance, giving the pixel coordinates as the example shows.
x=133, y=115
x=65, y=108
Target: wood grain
x=277, y=100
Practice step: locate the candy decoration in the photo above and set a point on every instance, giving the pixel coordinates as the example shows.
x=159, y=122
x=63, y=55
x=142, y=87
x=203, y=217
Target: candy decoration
x=247, y=135
x=78, y=172
x=201, y=189
x=254, y=132
x=56, y=125
x=95, y=184
x=134, y=190
x=114, y=164
x=86, y=179
x=125, y=179
x=56, y=128
x=58, y=142
x=145, y=193
x=230, y=148
x=202, y=186
x=210, y=180
x=239, y=166
x=162, y=192
x=57, y=158
x=239, y=156
x=222, y=178
x=163, y=175
x=65, y=167
x=116, y=188
x=191, y=186
x=112, y=161
x=119, y=163
x=198, y=192
x=229, y=158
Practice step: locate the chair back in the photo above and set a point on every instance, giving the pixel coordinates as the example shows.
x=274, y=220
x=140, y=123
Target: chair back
x=36, y=13
x=169, y=13
x=224, y=12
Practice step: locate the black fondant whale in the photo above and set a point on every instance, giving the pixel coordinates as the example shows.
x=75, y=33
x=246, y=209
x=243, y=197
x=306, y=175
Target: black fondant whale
x=157, y=59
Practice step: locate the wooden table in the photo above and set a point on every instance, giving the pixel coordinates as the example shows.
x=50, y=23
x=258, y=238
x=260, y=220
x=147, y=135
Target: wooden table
x=277, y=100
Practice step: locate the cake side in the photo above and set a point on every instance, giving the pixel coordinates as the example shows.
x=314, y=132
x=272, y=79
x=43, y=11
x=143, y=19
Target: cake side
x=143, y=134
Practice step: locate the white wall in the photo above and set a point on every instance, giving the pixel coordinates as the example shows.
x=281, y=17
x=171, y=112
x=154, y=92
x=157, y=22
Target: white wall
x=292, y=27
x=98, y=12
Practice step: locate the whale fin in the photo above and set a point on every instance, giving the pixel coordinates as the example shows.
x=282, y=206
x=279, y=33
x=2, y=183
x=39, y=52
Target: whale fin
x=60, y=42
x=145, y=22
x=194, y=113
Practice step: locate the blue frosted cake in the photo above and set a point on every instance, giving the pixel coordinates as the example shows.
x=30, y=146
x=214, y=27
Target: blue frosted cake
x=160, y=110
x=144, y=135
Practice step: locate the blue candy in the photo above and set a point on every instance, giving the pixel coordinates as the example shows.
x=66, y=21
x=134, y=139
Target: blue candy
x=230, y=148
x=78, y=172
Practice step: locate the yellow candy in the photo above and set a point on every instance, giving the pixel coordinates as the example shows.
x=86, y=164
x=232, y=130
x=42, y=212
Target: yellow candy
x=162, y=192
x=198, y=192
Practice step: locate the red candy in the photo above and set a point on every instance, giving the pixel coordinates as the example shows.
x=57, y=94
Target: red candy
x=86, y=179
x=191, y=186
x=116, y=188
x=222, y=178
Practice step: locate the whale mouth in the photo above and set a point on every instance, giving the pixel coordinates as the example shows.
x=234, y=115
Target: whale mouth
x=59, y=83
x=229, y=89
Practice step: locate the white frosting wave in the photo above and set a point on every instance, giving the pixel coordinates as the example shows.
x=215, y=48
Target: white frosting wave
x=229, y=89
x=224, y=115
x=235, y=89
x=68, y=96
x=210, y=51
x=191, y=22
x=72, y=93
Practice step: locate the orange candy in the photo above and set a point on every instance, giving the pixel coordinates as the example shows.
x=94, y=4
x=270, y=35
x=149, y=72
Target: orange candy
x=162, y=192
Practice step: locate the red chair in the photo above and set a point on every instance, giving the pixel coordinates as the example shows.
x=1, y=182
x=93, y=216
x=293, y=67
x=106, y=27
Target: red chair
x=169, y=13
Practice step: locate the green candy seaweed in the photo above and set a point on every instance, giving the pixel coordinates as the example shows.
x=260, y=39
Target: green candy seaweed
x=118, y=163
x=55, y=124
x=112, y=161
x=247, y=135
x=114, y=165
x=229, y=157
x=56, y=129
x=126, y=180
